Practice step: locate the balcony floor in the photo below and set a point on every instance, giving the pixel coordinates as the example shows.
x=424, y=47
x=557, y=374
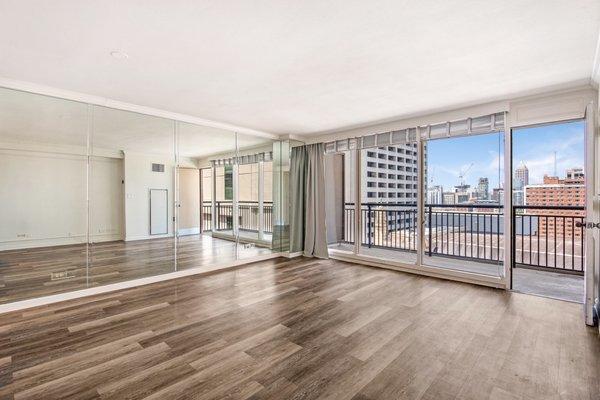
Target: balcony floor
x=541, y=283
x=549, y=284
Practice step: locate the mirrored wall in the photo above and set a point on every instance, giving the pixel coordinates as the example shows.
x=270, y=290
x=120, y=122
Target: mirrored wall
x=93, y=196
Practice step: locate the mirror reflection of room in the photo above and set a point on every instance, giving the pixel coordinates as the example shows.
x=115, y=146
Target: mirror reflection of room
x=101, y=196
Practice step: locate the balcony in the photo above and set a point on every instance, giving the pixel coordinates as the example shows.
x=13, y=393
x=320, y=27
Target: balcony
x=471, y=238
x=248, y=217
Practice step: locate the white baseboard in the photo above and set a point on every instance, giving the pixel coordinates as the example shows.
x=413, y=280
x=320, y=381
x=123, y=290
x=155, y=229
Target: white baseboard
x=56, y=298
x=58, y=241
x=146, y=237
x=189, y=231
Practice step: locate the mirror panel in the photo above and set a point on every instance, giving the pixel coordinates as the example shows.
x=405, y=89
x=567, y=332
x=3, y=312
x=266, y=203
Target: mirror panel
x=205, y=233
x=43, y=207
x=132, y=196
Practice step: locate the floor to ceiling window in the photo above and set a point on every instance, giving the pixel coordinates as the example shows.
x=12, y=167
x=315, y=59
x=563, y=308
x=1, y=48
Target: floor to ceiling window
x=549, y=207
x=254, y=197
x=340, y=198
x=463, y=210
x=456, y=224
x=388, y=196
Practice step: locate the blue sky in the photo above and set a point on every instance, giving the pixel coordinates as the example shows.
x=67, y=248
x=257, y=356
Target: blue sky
x=534, y=146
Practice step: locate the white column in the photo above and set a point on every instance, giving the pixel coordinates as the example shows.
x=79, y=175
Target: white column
x=213, y=197
x=420, y=201
x=357, y=200
x=507, y=211
x=261, y=195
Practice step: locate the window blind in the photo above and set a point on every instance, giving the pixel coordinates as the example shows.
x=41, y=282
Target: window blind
x=469, y=126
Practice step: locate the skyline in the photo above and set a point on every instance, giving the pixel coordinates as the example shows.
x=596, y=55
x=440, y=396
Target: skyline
x=533, y=146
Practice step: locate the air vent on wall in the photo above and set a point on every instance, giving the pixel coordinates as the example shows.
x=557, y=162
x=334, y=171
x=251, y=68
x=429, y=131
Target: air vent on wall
x=158, y=167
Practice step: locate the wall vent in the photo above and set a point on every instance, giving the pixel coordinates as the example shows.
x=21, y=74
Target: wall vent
x=158, y=167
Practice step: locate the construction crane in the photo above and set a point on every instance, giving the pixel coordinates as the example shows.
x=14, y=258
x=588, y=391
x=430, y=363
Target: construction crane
x=463, y=172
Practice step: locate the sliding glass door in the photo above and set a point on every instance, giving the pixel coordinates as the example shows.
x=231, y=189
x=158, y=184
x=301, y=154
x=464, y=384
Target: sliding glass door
x=388, y=202
x=428, y=198
x=463, y=203
x=340, y=197
x=254, y=195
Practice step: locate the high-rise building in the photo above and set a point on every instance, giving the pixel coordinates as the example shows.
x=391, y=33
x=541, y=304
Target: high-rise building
x=518, y=197
x=435, y=195
x=521, y=177
x=389, y=174
x=483, y=189
x=498, y=195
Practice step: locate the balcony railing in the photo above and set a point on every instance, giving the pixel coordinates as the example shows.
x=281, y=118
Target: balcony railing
x=248, y=216
x=547, y=237
x=544, y=237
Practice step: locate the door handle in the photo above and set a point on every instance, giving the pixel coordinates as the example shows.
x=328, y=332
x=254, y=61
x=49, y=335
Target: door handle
x=588, y=225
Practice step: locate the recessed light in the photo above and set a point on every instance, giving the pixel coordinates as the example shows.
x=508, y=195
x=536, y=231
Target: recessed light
x=119, y=55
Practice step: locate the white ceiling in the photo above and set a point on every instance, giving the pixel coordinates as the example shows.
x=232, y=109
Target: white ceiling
x=34, y=119
x=299, y=67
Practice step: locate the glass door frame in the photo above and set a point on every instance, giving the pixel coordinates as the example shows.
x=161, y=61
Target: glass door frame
x=502, y=280
x=509, y=180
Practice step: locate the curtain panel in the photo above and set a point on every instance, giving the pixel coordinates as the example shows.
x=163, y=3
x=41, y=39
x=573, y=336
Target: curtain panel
x=307, y=217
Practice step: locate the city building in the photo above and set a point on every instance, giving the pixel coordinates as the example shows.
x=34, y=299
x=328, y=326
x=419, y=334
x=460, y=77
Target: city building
x=575, y=175
x=483, y=189
x=555, y=191
x=435, y=195
x=498, y=195
x=521, y=177
x=449, y=198
x=389, y=174
x=518, y=197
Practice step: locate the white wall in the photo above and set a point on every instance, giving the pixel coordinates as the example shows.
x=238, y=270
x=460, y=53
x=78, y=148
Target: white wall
x=43, y=198
x=139, y=179
x=106, y=199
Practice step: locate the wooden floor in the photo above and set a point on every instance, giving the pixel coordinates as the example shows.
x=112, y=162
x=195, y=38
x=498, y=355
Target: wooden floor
x=30, y=273
x=301, y=329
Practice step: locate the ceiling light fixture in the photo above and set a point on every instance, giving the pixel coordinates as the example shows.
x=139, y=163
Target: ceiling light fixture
x=119, y=55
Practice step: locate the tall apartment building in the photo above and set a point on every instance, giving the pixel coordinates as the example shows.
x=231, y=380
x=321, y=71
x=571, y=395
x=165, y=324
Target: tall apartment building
x=483, y=189
x=555, y=191
x=389, y=174
x=521, y=177
x=435, y=195
x=498, y=195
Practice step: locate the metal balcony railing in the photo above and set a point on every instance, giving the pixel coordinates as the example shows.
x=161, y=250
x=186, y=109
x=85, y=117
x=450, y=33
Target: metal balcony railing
x=547, y=237
x=248, y=216
x=543, y=237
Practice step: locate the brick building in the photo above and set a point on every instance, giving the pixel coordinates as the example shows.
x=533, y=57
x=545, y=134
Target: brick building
x=555, y=191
